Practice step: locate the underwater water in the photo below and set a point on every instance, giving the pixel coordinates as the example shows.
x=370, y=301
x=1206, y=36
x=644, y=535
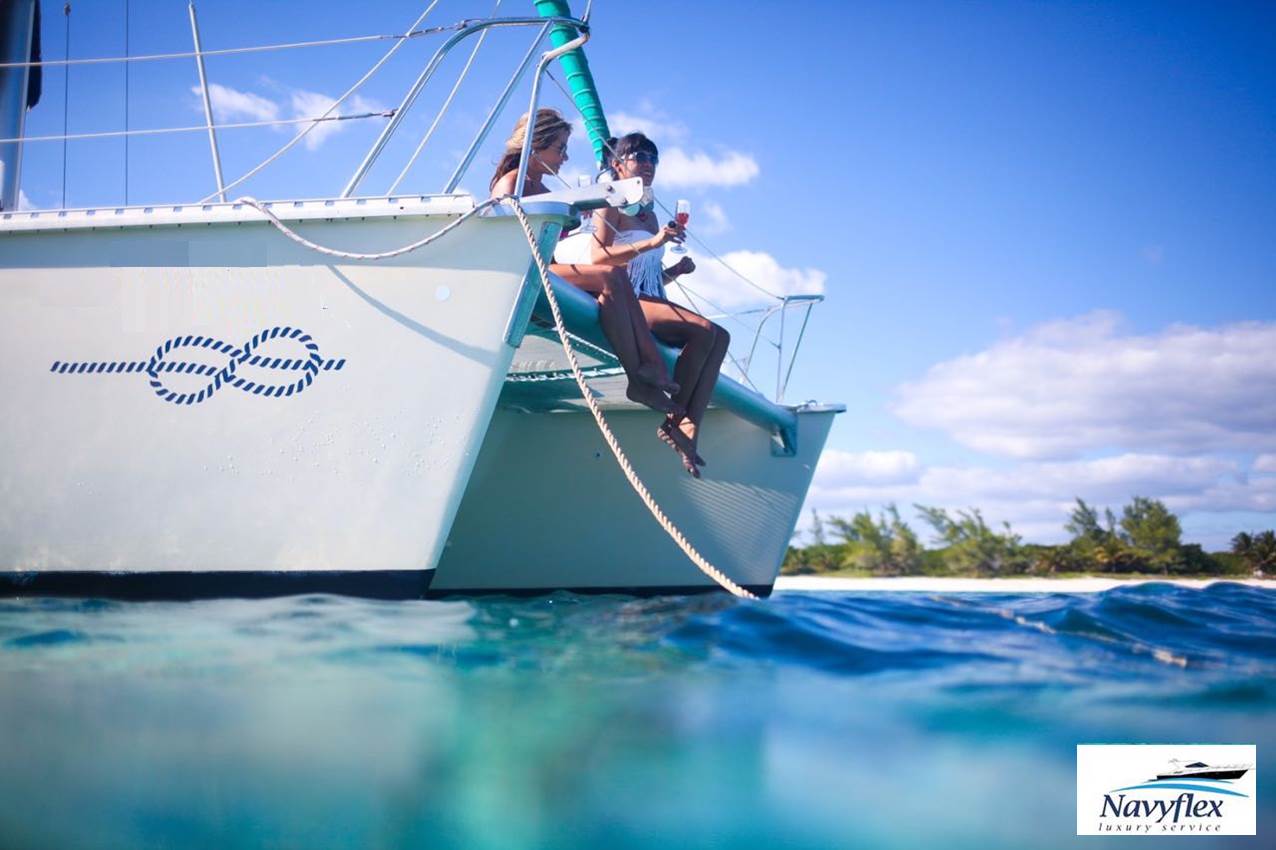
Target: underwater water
x=808, y=720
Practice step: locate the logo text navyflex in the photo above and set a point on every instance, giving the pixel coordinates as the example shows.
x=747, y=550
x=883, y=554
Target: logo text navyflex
x=1185, y=805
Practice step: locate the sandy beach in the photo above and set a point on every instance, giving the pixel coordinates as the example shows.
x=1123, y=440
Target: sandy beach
x=1090, y=584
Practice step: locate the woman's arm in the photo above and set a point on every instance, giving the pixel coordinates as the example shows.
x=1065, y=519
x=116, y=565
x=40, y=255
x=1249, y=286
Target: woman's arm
x=505, y=185
x=606, y=251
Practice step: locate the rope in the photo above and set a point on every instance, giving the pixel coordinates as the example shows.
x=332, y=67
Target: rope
x=352, y=255
x=634, y=481
x=621, y=459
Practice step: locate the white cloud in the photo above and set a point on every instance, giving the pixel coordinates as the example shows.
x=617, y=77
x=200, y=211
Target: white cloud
x=1037, y=497
x=651, y=123
x=24, y=203
x=1079, y=385
x=1255, y=494
x=679, y=169
x=1265, y=463
x=714, y=282
x=849, y=469
x=308, y=104
x=232, y=105
x=1102, y=480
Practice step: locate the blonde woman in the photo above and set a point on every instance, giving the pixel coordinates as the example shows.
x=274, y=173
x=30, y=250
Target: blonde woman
x=619, y=313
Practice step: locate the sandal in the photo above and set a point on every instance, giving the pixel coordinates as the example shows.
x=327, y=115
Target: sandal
x=686, y=454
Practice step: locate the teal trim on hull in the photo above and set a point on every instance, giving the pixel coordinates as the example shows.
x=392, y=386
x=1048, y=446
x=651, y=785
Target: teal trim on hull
x=579, y=78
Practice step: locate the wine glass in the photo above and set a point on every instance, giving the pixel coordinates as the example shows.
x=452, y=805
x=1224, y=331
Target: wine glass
x=587, y=217
x=682, y=212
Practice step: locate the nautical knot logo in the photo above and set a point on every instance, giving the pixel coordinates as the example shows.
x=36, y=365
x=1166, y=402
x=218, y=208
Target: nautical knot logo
x=167, y=360
x=1182, y=797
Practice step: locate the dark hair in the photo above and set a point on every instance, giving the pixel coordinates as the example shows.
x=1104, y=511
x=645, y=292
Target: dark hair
x=626, y=145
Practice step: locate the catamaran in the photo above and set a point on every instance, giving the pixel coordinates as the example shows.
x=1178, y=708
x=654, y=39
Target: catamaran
x=363, y=394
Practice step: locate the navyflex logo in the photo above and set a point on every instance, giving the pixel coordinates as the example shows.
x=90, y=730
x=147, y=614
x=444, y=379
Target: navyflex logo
x=1159, y=789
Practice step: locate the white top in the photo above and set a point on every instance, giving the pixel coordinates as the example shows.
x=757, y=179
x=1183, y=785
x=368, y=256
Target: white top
x=647, y=270
x=575, y=249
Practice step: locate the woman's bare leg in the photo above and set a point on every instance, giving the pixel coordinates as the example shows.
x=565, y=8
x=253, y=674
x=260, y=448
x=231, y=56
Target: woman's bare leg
x=698, y=338
x=682, y=328
x=649, y=352
x=616, y=303
x=698, y=401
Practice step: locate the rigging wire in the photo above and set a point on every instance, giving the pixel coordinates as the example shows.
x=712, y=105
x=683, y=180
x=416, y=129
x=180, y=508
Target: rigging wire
x=126, y=64
x=230, y=51
x=66, y=93
x=159, y=131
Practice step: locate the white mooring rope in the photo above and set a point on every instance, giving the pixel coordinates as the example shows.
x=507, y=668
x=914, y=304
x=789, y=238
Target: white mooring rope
x=621, y=459
x=351, y=255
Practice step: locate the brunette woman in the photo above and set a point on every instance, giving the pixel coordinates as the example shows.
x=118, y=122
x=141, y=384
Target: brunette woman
x=637, y=243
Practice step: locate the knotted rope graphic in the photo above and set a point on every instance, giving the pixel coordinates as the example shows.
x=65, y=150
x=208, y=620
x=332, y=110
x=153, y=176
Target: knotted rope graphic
x=162, y=362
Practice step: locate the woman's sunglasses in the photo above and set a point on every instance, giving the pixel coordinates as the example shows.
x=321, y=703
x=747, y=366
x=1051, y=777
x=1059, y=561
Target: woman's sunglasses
x=642, y=158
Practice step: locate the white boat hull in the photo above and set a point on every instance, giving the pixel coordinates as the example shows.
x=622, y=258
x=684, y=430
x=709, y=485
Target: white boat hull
x=356, y=461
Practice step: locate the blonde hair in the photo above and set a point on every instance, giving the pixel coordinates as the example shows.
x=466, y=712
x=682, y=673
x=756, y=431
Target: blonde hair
x=550, y=124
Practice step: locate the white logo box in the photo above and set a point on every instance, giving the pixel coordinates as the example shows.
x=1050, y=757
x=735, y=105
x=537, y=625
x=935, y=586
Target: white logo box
x=1166, y=789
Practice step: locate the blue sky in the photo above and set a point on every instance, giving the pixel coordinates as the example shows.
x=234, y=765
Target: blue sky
x=1046, y=231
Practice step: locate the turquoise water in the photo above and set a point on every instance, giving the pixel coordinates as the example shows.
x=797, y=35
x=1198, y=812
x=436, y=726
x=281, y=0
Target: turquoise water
x=808, y=720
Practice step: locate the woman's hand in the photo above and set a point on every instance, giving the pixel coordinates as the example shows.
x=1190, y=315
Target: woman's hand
x=671, y=232
x=684, y=266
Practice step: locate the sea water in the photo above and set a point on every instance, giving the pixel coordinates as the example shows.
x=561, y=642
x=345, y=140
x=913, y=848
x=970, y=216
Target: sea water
x=807, y=720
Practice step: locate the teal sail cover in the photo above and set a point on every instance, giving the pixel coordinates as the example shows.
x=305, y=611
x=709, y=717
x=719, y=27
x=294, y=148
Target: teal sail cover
x=579, y=79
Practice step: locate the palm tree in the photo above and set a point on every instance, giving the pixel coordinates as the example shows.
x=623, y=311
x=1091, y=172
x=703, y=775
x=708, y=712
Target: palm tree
x=1257, y=551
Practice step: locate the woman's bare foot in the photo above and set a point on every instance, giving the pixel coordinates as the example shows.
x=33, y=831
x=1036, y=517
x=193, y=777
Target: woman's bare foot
x=655, y=374
x=672, y=437
x=652, y=397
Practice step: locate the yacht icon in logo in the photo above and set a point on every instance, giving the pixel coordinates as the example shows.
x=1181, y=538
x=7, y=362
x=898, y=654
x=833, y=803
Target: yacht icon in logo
x=1179, y=769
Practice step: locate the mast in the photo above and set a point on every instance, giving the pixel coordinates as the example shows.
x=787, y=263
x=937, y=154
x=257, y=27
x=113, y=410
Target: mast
x=579, y=79
x=17, y=30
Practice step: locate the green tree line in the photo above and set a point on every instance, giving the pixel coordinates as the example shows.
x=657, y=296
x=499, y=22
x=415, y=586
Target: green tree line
x=1145, y=539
